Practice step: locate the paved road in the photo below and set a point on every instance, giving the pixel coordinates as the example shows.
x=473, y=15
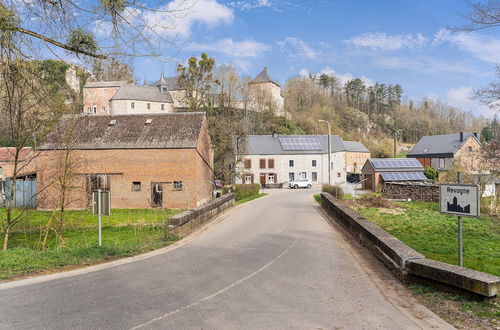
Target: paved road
x=272, y=263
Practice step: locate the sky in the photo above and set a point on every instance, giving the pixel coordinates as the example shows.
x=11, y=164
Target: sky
x=405, y=42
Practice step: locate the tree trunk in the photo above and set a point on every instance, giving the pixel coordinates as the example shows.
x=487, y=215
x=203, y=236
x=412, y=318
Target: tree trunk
x=6, y=238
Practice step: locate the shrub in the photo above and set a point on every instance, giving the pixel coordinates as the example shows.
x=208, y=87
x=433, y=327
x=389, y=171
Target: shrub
x=375, y=200
x=246, y=190
x=431, y=173
x=335, y=191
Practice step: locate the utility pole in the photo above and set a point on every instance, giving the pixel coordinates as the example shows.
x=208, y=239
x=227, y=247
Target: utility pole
x=329, y=150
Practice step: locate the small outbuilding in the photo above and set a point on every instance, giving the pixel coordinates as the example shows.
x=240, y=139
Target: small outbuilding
x=377, y=171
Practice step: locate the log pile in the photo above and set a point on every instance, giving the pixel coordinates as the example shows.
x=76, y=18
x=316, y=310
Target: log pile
x=422, y=192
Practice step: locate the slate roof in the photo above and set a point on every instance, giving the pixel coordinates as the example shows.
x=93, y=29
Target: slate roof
x=263, y=77
x=166, y=131
x=269, y=145
x=172, y=83
x=395, y=164
x=104, y=84
x=355, y=146
x=142, y=93
x=439, y=145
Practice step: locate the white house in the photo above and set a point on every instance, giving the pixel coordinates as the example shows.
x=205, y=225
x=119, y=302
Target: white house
x=274, y=159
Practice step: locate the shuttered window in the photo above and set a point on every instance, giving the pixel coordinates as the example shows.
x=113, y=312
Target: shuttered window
x=262, y=163
x=247, y=163
x=270, y=163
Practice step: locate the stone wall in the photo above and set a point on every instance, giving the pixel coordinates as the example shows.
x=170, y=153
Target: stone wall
x=422, y=192
x=184, y=223
x=405, y=261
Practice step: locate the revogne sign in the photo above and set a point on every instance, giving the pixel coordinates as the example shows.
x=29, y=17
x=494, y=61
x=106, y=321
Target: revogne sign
x=459, y=199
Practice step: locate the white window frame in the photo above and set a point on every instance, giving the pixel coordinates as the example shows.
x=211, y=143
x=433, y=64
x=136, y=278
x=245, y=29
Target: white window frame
x=248, y=179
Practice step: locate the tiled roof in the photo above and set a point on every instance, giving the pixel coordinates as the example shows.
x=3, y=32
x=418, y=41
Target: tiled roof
x=439, y=144
x=164, y=131
x=355, y=146
x=172, y=83
x=8, y=154
x=142, y=93
x=96, y=84
x=270, y=145
x=263, y=77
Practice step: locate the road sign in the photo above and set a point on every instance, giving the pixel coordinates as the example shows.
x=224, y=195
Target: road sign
x=459, y=199
x=105, y=202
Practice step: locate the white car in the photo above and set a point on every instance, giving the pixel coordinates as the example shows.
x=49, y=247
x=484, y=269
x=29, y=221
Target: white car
x=300, y=183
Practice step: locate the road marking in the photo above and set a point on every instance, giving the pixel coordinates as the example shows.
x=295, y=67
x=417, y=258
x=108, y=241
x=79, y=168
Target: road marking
x=213, y=295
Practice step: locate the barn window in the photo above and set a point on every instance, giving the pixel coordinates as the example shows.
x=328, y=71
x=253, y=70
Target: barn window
x=136, y=186
x=177, y=185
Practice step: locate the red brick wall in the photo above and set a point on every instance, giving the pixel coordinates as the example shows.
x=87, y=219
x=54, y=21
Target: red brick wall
x=127, y=166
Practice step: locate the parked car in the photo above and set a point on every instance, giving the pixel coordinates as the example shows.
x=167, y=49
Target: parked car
x=300, y=183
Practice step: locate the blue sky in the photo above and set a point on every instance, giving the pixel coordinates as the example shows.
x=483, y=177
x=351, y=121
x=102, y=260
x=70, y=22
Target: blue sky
x=405, y=42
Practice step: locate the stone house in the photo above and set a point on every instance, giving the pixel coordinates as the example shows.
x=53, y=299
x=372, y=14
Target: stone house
x=166, y=95
x=96, y=96
x=275, y=159
x=377, y=171
x=150, y=160
x=443, y=151
x=264, y=90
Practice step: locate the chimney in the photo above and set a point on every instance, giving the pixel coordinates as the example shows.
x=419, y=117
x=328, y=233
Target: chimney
x=265, y=69
x=461, y=136
x=475, y=134
x=275, y=135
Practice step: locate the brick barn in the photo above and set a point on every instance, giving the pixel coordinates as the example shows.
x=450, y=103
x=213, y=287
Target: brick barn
x=155, y=160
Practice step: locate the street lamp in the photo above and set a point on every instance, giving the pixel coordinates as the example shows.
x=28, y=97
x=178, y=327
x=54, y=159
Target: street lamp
x=329, y=150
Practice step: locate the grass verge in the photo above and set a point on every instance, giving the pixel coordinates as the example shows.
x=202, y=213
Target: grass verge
x=125, y=233
x=421, y=226
x=460, y=311
x=249, y=198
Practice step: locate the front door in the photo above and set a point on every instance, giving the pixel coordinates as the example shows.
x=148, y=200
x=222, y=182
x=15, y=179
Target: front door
x=156, y=195
x=262, y=178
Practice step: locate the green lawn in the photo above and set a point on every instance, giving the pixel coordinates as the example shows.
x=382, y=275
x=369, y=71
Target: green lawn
x=121, y=217
x=124, y=233
x=421, y=226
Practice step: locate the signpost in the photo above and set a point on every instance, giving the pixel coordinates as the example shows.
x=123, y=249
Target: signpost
x=101, y=205
x=461, y=200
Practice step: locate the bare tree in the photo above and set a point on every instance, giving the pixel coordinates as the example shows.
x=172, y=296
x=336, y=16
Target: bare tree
x=482, y=16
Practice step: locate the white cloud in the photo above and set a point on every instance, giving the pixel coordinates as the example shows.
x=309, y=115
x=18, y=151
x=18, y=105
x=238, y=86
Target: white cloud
x=247, y=5
x=342, y=78
x=247, y=48
x=304, y=73
x=461, y=97
x=297, y=47
x=423, y=64
x=177, y=17
x=383, y=41
x=483, y=47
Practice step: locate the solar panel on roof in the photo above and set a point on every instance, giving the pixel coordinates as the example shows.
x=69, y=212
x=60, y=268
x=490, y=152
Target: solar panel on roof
x=403, y=176
x=302, y=143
